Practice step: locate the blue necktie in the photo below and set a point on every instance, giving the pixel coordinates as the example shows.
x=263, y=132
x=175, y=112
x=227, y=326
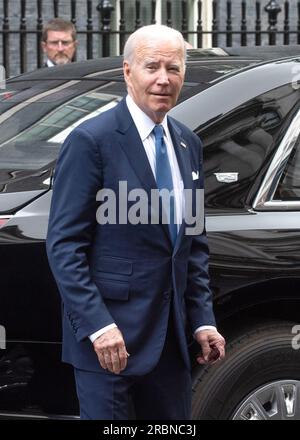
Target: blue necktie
x=164, y=176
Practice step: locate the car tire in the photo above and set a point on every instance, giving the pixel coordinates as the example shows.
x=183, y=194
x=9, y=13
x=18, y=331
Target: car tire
x=258, y=379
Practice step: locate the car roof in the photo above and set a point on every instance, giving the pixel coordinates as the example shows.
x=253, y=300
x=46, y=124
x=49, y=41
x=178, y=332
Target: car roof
x=204, y=68
x=50, y=102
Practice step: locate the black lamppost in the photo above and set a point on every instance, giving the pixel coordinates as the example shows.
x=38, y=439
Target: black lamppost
x=272, y=9
x=105, y=8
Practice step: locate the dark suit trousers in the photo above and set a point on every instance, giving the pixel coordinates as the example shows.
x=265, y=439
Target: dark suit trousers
x=164, y=393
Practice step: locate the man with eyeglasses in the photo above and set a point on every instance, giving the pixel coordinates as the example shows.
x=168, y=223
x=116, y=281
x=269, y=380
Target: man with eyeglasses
x=59, y=42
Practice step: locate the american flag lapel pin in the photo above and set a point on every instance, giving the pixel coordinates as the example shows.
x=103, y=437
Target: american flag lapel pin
x=183, y=144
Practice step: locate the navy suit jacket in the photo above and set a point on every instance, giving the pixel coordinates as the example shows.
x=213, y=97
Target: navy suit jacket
x=123, y=273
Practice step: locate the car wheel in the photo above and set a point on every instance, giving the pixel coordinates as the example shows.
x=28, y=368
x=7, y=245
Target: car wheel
x=258, y=380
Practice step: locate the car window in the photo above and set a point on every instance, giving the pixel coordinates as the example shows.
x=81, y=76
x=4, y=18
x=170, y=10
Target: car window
x=237, y=147
x=289, y=185
x=31, y=135
x=55, y=126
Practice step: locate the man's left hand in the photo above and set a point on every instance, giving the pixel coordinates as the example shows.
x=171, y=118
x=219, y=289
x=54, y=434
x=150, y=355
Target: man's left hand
x=212, y=344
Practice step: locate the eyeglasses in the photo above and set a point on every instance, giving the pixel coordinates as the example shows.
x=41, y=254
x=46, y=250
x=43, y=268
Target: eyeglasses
x=64, y=43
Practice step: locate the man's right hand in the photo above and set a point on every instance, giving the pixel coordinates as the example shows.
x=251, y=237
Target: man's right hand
x=111, y=351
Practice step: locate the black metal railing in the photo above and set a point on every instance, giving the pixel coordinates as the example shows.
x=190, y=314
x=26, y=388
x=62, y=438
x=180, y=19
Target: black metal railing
x=264, y=28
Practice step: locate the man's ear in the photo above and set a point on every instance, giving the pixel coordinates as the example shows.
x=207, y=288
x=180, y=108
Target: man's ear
x=126, y=71
x=43, y=46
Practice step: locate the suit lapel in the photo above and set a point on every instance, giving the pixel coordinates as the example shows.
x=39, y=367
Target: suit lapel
x=182, y=153
x=133, y=147
x=184, y=162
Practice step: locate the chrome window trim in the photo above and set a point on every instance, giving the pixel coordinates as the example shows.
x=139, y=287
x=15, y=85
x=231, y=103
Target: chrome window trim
x=282, y=205
x=263, y=200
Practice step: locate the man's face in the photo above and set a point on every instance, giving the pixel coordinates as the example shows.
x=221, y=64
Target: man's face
x=155, y=76
x=59, y=47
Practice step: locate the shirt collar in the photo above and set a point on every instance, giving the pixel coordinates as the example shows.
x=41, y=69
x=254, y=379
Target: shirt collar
x=49, y=63
x=143, y=123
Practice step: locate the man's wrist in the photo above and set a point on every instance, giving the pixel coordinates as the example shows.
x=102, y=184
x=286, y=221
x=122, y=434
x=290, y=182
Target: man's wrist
x=205, y=327
x=100, y=332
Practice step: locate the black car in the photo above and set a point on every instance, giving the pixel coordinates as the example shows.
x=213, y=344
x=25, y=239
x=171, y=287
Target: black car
x=247, y=112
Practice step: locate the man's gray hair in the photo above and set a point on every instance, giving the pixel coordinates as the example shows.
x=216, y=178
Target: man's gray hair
x=152, y=33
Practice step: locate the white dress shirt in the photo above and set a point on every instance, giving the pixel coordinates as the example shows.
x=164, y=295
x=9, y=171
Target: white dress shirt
x=144, y=126
x=49, y=63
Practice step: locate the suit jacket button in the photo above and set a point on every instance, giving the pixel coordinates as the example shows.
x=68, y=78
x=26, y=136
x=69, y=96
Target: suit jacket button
x=166, y=295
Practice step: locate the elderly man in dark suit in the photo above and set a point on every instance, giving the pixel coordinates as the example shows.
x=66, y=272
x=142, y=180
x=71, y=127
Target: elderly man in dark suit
x=133, y=288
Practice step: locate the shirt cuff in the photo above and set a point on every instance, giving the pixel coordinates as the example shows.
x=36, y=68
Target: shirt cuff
x=100, y=332
x=205, y=327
